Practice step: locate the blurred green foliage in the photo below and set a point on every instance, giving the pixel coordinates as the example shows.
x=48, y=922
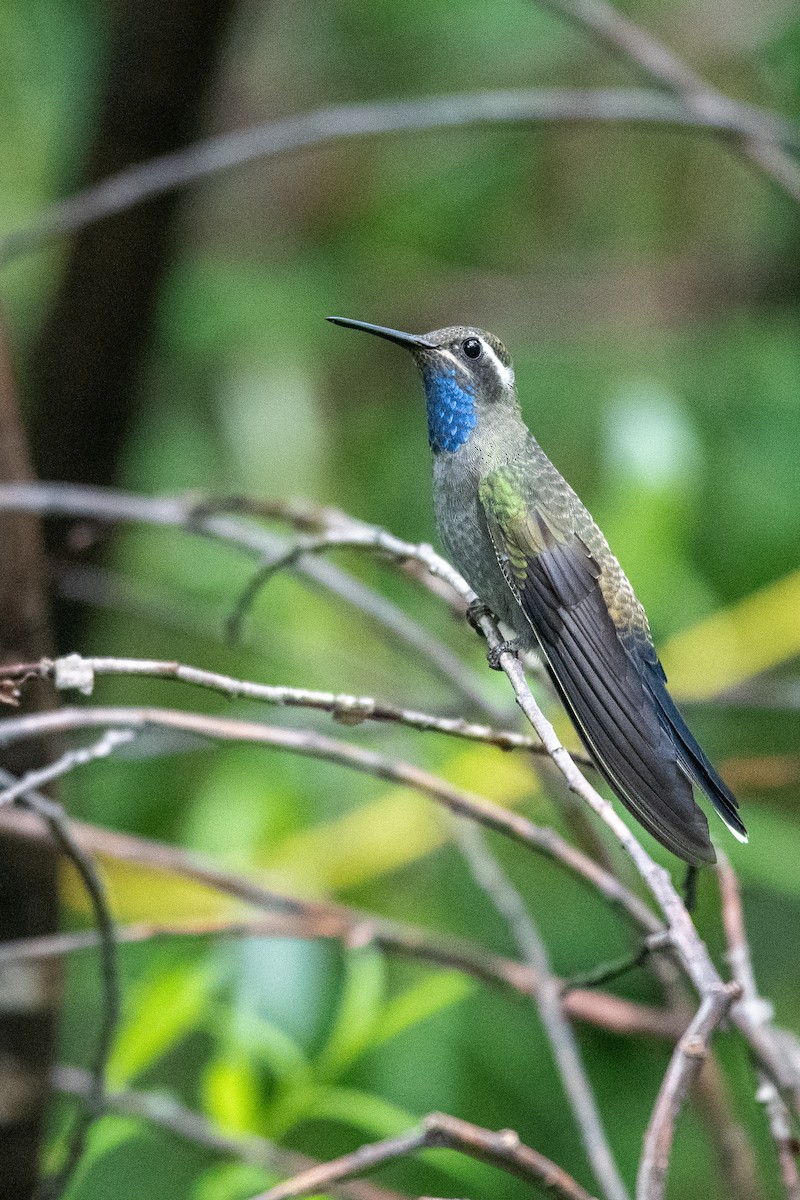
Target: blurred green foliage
x=647, y=283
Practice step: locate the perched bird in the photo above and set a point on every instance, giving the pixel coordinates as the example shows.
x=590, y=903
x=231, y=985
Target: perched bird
x=523, y=540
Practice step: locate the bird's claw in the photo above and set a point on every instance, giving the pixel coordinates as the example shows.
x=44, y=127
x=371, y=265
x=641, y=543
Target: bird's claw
x=475, y=612
x=494, y=653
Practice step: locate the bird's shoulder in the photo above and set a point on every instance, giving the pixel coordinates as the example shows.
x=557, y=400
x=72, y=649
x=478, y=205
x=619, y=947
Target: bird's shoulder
x=531, y=509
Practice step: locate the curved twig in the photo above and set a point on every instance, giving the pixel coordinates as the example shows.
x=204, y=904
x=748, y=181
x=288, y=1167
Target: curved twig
x=78, y=672
x=503, y=1150
x=494, y=882
x=55, y=819
x=664, y=68
x=316, y=745
x=189, y=515
x=687, y=1059
x=705, y=110
x=165, y=1112
x=288, y=916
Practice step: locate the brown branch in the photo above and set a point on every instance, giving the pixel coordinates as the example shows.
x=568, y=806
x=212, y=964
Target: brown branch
x=291, y=917
x=760, y=1013
x=493, y=881
x=166, y=1113
x=687, y=1059
x=358, y=758
x=28, y=873
x=736, y=1159
x=503, y=1150
x=664, y=68
x=58, y=825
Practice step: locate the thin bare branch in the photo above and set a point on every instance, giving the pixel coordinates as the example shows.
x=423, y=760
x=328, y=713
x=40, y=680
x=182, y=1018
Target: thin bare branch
x=664, y=68
x=309, y=920
x=105, y=745
x=167, y=1113
x=691, y=107
x=492, y=879
x=56, y=820
x=77, y=672
x=359, y=758
x=736, y=1159
x=503, y=1150
x=687, y=945
x=185, y=513
x=687, y=1060
x=760, y=1013
x=686, y=942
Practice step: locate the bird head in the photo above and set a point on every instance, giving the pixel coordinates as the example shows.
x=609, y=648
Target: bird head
x=467, y=374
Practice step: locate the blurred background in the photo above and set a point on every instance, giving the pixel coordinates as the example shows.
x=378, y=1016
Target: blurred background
x=647, y=282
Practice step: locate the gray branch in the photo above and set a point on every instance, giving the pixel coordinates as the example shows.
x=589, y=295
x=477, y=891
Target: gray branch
x=699, y=109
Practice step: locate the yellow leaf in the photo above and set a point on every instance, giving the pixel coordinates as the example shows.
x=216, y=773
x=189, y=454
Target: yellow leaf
x=139, y=893
x=736, y=643
x=395, y=830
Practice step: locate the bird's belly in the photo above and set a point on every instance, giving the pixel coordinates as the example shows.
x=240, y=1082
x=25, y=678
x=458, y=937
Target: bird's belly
x=465, y=536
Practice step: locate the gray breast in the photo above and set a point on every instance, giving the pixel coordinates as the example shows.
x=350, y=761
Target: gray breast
x=465, y=537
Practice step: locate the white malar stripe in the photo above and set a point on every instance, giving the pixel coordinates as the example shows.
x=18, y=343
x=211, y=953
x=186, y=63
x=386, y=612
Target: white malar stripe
x=506, y=374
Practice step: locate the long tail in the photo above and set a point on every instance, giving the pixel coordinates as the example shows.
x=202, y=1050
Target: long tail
x=693, y=760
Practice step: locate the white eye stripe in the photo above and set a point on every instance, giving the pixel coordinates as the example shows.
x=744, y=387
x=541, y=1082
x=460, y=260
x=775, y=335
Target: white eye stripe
x=449, y=354
x=505, y=373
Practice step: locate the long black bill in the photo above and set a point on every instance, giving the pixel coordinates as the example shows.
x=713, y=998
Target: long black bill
x=410, y=340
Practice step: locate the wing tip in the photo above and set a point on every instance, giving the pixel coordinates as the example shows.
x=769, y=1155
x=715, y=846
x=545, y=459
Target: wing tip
x=739, y=833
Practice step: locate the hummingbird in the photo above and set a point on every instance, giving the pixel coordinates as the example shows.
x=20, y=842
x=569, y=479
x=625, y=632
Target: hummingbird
x=527, y=546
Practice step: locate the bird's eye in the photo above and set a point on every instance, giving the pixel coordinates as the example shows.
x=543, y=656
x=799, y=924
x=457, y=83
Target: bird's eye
x=472, y=348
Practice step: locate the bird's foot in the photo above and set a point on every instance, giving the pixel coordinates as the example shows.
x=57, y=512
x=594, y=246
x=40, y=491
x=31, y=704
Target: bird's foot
x=494, y=653
x=475, y=611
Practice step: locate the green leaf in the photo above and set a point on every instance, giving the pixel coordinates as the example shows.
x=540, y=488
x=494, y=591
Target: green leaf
x=378, y=1119
x=371, y=1114
x=232, y=1181
x=231, y=1093
x=283, y=1057
x=105, y=1136
x=430, y=995
x=247, y=1039
x=359, y=1005
x=164, y=1008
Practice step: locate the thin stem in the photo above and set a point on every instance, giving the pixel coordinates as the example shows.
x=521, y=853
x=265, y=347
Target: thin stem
x=60, y=830
x=503, y=1150
x=759, y=1013
x=184, y=513
x=663, y=67
x=358, y=758
x=306, y=920
x=492, y=879
x=687, y=1059
x=78, y=672
x=698, y=109
x=166, y=1113
x=111, y=740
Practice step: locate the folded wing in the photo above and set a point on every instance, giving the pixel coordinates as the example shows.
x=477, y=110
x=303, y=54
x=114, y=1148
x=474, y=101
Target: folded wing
x=609, y=680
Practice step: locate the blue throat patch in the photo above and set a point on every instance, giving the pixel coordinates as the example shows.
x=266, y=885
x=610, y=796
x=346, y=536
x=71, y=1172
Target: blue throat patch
x=451, y=410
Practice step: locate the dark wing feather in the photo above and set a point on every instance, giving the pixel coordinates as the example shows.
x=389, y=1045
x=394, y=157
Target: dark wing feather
x=690, y=754
x=618, y=712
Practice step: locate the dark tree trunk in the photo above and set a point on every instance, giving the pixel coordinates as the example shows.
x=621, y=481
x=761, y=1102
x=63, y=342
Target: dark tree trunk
x=86, y=366
x=29, y=992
